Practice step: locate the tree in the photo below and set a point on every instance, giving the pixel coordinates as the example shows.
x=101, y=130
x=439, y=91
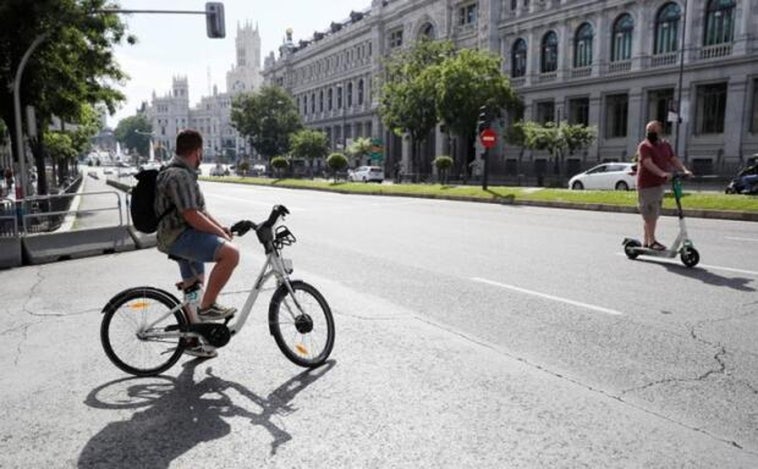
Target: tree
x=73, y=65
x=556, y=139
x=336, y=162
x=280, y=164
x=466, y=82
x=267, y=118
x=133, y=133
x=309, y=144
x=443, y=164
x=408, y=102
x=360, y=147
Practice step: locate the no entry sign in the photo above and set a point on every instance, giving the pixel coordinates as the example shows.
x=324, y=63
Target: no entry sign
x=488, y=138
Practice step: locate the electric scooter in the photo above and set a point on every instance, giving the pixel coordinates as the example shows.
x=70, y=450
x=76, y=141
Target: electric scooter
x=682, y=245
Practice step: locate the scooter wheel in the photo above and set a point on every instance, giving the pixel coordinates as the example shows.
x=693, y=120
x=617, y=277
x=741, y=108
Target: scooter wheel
x=690, y=257
x=629, y=249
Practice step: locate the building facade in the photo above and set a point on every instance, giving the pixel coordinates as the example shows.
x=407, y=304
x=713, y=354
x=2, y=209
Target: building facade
x=612, y=64
x=171, y=113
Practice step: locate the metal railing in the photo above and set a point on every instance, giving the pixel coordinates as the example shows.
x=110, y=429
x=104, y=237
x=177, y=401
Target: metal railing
x=8, y=219
x=35, y=221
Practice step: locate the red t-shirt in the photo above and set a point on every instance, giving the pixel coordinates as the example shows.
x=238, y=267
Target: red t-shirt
x=661, y=153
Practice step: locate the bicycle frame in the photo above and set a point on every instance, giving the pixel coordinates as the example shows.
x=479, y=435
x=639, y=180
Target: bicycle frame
x=275, y=266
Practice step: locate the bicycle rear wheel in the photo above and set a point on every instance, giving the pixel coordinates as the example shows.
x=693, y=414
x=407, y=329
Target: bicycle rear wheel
x=127, y=316
x=302, y=325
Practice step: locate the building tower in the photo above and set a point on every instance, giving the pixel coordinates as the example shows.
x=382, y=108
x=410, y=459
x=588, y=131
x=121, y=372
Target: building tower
x=245, y=76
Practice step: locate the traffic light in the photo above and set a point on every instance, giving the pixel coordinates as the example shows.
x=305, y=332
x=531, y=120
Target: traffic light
x=214, y=20
x=484, y=119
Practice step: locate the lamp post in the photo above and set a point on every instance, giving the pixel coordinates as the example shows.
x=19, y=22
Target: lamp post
x=681, y=73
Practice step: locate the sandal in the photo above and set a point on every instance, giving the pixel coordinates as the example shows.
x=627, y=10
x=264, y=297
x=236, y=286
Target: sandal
x=656, y=246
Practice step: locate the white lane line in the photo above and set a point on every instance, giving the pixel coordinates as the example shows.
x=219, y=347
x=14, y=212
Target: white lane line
x=754, y=240
x=704, y=266
x=249, y=201
x=549, y=297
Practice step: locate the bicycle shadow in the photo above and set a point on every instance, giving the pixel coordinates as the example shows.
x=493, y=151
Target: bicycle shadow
x=705, y=276
x=180, y=416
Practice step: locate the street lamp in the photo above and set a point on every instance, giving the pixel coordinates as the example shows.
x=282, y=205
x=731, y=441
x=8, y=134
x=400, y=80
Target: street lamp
x=681, y=73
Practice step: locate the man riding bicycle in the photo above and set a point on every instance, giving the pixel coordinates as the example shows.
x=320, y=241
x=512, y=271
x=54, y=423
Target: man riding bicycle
x=191, y=235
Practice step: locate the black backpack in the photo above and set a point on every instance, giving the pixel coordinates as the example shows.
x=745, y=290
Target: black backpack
x=142, y=209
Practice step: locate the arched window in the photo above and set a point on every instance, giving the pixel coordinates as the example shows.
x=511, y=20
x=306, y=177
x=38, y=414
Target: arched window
x=427, y=32
x=360, y=92
x=583, y=46
x=667, y=29
x=349, y=94
x=518, y=59
x=549, y=53
x=622, y=38
x=719, y=22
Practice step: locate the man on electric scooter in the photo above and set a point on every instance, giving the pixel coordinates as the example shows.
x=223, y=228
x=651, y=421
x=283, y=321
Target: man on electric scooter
x=656, y=160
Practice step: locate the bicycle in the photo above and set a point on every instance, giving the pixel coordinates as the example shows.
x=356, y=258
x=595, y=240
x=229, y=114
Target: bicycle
x=143, y=325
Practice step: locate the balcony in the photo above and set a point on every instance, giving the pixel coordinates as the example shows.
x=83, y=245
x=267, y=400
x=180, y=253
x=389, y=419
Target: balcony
x=716, y=51
x=622, y=66
x=547, y=77
x=664, y=60
x=581, y=72
x=518, y=82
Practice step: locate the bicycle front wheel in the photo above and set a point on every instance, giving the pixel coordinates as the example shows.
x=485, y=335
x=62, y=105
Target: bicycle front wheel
x=301, y=324
x=139, y=333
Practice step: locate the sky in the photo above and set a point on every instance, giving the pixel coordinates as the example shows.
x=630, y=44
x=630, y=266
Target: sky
x=171, y=44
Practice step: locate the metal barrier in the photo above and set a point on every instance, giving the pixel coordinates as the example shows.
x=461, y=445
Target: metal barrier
x=36, y=221
x=8, y=219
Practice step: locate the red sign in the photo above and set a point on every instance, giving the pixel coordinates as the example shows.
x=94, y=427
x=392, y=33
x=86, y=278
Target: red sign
x=488, y=138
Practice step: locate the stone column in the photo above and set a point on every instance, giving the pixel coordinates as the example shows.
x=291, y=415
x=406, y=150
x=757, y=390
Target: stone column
x=636, y=120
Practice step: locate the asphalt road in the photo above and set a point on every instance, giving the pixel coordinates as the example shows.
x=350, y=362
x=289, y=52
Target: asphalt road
x=467, y=335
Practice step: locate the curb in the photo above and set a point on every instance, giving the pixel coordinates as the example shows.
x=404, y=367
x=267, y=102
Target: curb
x=689, y=213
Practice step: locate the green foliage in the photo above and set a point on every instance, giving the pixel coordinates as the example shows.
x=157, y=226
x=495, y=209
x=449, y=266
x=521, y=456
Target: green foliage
x=443, y=162
x=556, y=139
x=336, y=162
x=280, y=163
x=130, y=132
x=311, y=144
x=361, y=146
x=60, y=145
x=268, y=118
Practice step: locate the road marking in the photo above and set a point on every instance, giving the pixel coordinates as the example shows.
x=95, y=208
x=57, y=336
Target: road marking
x=549, y=297
x=664, y=260
x=743, y=239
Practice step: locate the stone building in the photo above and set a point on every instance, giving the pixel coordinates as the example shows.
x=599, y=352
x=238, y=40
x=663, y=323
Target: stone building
x=613, y=64
x=171, y=113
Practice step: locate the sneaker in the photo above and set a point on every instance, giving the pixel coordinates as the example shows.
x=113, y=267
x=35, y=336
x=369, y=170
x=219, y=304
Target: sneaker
x=215, y=312
x=201, y=351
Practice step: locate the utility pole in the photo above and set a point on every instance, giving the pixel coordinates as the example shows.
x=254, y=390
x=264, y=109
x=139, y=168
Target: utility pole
x=679, y=91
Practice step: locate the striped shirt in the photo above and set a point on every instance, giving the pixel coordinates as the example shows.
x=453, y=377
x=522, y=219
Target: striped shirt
x=176, y=186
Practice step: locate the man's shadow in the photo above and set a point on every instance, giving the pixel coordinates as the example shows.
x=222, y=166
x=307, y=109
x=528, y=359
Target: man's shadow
x=180, y=414
x=705, y=276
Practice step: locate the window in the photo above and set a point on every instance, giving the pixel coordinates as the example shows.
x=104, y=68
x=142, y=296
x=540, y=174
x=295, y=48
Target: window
x=427, y=32
x=321, y=101
x=719, y=22
x=396, y=38
x=349, y=96
x=583, y=46
x=667, y=29
x=616, y=114
x=549, y=53
x=711, y=108
x=514, y=5
x=360, y=92
x=305, y=105
x=339, y=96
x=622, y=38
x=467, y=14
x=754, y=120
x=313, y=103
x=579, y=111
x=518, y=59
x=659, y=104
x=545, y=112
x=330, y=99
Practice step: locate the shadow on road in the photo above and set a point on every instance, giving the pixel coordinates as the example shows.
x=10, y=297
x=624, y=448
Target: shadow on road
x=705, y=276
x=180, y=414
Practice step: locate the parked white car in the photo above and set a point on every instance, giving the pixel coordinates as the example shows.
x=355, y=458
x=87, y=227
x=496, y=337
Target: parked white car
x=219, y=170
x=366, y=174
x=609, y=176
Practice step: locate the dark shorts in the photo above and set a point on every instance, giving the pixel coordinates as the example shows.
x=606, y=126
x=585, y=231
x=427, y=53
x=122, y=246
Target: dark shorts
x=650, y=199
x=195, y=248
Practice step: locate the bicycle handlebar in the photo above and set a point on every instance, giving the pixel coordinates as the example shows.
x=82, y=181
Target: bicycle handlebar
x=243, y=226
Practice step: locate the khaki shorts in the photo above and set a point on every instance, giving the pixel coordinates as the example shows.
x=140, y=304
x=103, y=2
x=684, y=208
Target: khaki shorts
x=650, y=199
